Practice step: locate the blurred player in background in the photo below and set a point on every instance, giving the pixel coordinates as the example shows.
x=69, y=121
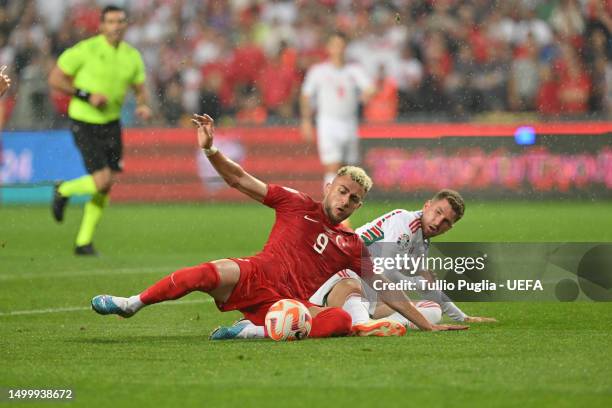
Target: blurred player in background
x=98, y=72
x=306, y=246
x=334, y=88
x=407, y=232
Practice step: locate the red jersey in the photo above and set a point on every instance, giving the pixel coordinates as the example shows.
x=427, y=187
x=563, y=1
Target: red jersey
x=304, y=248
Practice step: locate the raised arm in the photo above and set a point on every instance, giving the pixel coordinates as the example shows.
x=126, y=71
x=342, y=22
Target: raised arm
x=233, y=174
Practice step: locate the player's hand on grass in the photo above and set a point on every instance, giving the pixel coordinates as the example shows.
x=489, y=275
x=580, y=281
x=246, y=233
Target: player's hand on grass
x=206, y=128
x=144, y=112
x=479, y=319
x=5, y=81
x=447, y=327
x=97, y=100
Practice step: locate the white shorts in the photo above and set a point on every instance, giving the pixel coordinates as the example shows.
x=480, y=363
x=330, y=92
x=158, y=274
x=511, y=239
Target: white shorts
x=337, y=141
x=320, y=296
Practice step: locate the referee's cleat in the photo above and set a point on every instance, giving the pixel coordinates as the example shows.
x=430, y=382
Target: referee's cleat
x=85, y=250
x=59, y=203
x=232, y=332
x=379, y=328
x=107, y=304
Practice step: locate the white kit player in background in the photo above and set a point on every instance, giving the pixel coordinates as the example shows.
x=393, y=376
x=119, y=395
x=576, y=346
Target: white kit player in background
x=334, y=89
x=400, y=231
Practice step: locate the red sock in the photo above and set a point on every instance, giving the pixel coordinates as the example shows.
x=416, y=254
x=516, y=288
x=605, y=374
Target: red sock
x=331, y=322
x=203, y=277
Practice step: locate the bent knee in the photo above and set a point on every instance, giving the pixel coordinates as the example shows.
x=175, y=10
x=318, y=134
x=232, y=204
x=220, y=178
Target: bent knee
x=342, y=290
x=349, y=286
x=105, y=188
x=103, y=184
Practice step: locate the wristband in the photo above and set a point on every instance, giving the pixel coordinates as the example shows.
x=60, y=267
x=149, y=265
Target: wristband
x=210, y=151
x=82, y=95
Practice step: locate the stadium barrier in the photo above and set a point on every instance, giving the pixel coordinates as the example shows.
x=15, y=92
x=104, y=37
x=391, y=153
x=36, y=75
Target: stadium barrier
x=571, y=160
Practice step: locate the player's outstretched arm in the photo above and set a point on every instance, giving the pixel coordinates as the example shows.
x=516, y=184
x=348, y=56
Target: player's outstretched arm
x=479, y=319
x=398, y=301
x=5, y=81
x=233, y=174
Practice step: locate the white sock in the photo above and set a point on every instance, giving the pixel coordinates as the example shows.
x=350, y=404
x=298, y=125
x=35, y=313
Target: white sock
x=252, y=332
x=396, y=317
x=431, y=312
x=134, y=304
x=357, y=308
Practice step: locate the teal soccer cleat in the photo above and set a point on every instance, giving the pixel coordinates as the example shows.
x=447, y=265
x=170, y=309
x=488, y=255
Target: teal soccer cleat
x=107, y=304
x=236, y=331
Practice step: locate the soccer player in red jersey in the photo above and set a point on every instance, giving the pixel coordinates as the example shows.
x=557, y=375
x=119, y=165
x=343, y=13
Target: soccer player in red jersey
x=306, y=246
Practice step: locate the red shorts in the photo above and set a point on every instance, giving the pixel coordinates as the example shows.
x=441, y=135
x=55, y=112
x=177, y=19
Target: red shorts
x=252, y=295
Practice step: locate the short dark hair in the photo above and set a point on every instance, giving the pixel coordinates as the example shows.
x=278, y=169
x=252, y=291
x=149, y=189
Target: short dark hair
x=109, y=9
x=454, y=199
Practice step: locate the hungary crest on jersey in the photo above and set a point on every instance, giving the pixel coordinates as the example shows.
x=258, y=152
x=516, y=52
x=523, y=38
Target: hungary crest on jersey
x=403, y=242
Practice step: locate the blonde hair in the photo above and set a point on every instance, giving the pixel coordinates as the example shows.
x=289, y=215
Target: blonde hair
x=454, y=199
x=358, y=175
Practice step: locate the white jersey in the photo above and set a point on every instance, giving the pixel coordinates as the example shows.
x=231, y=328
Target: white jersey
x=399, y=227
x=400, y=232
x=336, y=91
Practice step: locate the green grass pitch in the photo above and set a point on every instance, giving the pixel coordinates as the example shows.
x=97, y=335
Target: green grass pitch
x=539, y=354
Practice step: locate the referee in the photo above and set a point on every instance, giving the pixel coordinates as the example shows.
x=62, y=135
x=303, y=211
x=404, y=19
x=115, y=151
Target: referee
x=97, y=72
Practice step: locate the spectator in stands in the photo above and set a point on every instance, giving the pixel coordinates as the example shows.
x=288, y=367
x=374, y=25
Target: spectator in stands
x=278, y=83
x=596, y=60
x=524, y=76
x=172, y=108
x=421, y=44
x=547, y=100
x=210, y=99
x=459, y=85
x=407, y=72
x=438, y=65
x=250, y=108
x=491, y=80
x=576, y=85
x=382, y=106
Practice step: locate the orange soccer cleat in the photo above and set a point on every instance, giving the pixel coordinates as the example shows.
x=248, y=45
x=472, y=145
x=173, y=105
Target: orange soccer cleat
x=379, y=328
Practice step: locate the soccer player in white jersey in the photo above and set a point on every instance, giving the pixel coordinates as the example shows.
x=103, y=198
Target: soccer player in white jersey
x=334, y=89
x=406, y=232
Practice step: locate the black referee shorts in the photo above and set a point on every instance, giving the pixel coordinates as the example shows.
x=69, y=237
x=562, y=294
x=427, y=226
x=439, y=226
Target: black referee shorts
x=100, y=145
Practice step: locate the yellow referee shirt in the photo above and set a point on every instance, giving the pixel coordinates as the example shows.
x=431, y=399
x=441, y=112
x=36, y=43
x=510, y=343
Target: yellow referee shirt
x=98, y=67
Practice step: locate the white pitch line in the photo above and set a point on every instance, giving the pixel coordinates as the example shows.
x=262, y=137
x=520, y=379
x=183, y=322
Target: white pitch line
x=82, y=308
x=89, y=272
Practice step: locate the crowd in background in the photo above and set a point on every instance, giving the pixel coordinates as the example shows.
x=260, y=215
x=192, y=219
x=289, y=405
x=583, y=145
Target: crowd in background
x=244, y=60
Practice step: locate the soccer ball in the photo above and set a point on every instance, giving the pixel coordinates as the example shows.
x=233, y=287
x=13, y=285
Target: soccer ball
x=288, y=320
